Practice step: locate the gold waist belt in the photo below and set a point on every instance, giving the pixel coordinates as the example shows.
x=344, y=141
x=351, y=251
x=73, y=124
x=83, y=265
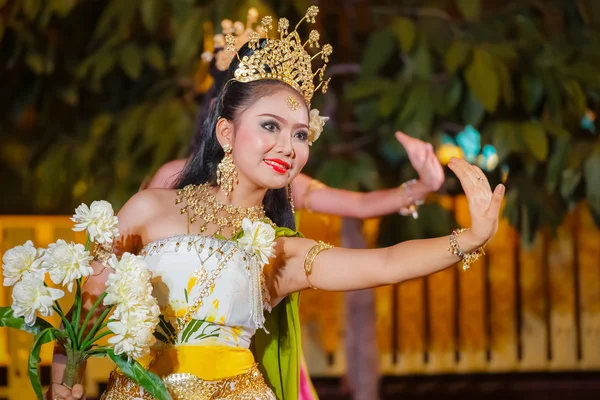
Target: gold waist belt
x=247, y=386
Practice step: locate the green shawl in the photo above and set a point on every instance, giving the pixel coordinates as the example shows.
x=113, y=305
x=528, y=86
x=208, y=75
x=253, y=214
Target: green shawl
x=278, y=352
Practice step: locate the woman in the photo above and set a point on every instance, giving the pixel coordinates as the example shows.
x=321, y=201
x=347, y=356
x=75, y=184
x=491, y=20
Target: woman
x=232, y=218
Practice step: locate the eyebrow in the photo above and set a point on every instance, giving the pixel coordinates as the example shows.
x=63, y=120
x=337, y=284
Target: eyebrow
x=281, y=119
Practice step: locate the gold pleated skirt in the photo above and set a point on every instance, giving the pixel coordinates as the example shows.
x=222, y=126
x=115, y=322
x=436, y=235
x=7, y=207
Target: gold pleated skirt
x=247, y=386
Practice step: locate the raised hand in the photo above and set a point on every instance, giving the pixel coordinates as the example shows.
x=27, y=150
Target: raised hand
x=424, y=160
x=61, y=392
x=484, y=205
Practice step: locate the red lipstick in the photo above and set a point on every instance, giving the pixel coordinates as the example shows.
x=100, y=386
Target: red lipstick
x=278, y=165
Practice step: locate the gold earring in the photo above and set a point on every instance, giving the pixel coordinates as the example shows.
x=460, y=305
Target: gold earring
x=291, y=198
x=227, y=175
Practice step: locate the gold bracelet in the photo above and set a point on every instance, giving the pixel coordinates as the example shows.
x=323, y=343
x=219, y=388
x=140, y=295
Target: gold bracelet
x=466, y=258
x=102, y=253
x=413, y=207
x=310, y=256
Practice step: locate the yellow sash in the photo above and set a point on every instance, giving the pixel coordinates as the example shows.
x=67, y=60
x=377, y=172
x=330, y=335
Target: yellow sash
x=210, y=363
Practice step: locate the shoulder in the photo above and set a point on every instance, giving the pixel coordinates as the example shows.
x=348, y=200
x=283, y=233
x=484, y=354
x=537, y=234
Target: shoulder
x=139, y=213
x=166, y=175
x=146, y=205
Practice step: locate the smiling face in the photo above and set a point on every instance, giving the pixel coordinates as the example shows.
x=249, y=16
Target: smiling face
x=269, y=139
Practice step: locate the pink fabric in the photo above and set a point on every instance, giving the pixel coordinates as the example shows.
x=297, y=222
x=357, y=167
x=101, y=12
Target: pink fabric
x=307, y=392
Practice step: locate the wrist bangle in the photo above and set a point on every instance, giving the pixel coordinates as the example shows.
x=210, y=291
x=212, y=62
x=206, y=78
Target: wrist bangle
x=466, y=258
x=310, y=256
x=103, y=252
x=413, y=207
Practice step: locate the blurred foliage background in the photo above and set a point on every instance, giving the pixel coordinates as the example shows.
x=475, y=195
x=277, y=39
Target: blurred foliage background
x=96, y=95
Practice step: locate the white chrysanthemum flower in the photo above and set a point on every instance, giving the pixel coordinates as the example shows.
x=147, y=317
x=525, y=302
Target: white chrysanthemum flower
x=130, y=281
x=259, y=239
x=66, y=262
x=98, y=220
x=134, y=328
x=30, y=296
x=316, y=124
x=19, y=260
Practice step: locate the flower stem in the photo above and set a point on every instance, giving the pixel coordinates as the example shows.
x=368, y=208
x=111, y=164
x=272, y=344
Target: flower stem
x=75, y=360
x=95, y=339
x=66, y=323
x=88, y=316
x=95, y=328
x=77, y=313
x=87, y=243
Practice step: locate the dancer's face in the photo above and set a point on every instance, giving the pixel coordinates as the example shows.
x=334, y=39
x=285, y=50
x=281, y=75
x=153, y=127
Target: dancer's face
x=270, y=140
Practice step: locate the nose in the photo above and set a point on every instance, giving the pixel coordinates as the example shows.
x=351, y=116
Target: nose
x=284, y=144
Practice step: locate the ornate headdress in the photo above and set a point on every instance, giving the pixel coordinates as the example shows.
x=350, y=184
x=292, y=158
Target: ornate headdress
x=284, y=58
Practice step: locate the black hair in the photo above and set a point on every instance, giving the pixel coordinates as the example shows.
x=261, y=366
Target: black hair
x=207, y=152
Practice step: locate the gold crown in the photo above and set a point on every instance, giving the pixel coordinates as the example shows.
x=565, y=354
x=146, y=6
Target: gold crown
x=284, y=58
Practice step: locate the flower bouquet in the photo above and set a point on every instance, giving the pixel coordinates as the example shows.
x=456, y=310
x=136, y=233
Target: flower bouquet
x=130, y=312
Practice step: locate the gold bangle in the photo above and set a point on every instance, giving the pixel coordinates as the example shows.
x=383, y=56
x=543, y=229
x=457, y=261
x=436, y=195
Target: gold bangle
x=103, y=252
x=466, y=258
x=413, y=207
x=310, y=256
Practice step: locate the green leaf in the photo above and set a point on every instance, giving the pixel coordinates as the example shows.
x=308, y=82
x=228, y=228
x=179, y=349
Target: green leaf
x=379, y=48
x=570, y=181
x=151, y=11
x=405, y=31
x=62, y=7
x=366, y=88
x=46, y=336
x=577, y=99
x=100, y=125
x=505, y=83
x=470, y=9
x=35, y=62
x=472, y=111
x=155, y=57
x=31, y=8
x=556, y=163
x=506, y=138
x=188, y=38
x=451, y=97
x=504, y=51
x=536, y=139
x=415, y=98
x=556, y=130
x=130, y=60
x=134, y=370
x=592, y=180
x=8, y=320
x=364, y=171
x=422, y=61
x=457, y=55
x=104, y=63
x=483, y=79
x=390, y=100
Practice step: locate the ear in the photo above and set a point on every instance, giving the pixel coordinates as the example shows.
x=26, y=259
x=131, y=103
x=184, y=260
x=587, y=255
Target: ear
x=224, y=131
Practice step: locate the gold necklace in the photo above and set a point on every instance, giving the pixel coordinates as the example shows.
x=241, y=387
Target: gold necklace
x=206, y=209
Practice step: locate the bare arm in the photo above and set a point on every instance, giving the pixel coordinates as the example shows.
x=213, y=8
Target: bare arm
x=348, y=269
x=345, y=203
x=315, y=196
